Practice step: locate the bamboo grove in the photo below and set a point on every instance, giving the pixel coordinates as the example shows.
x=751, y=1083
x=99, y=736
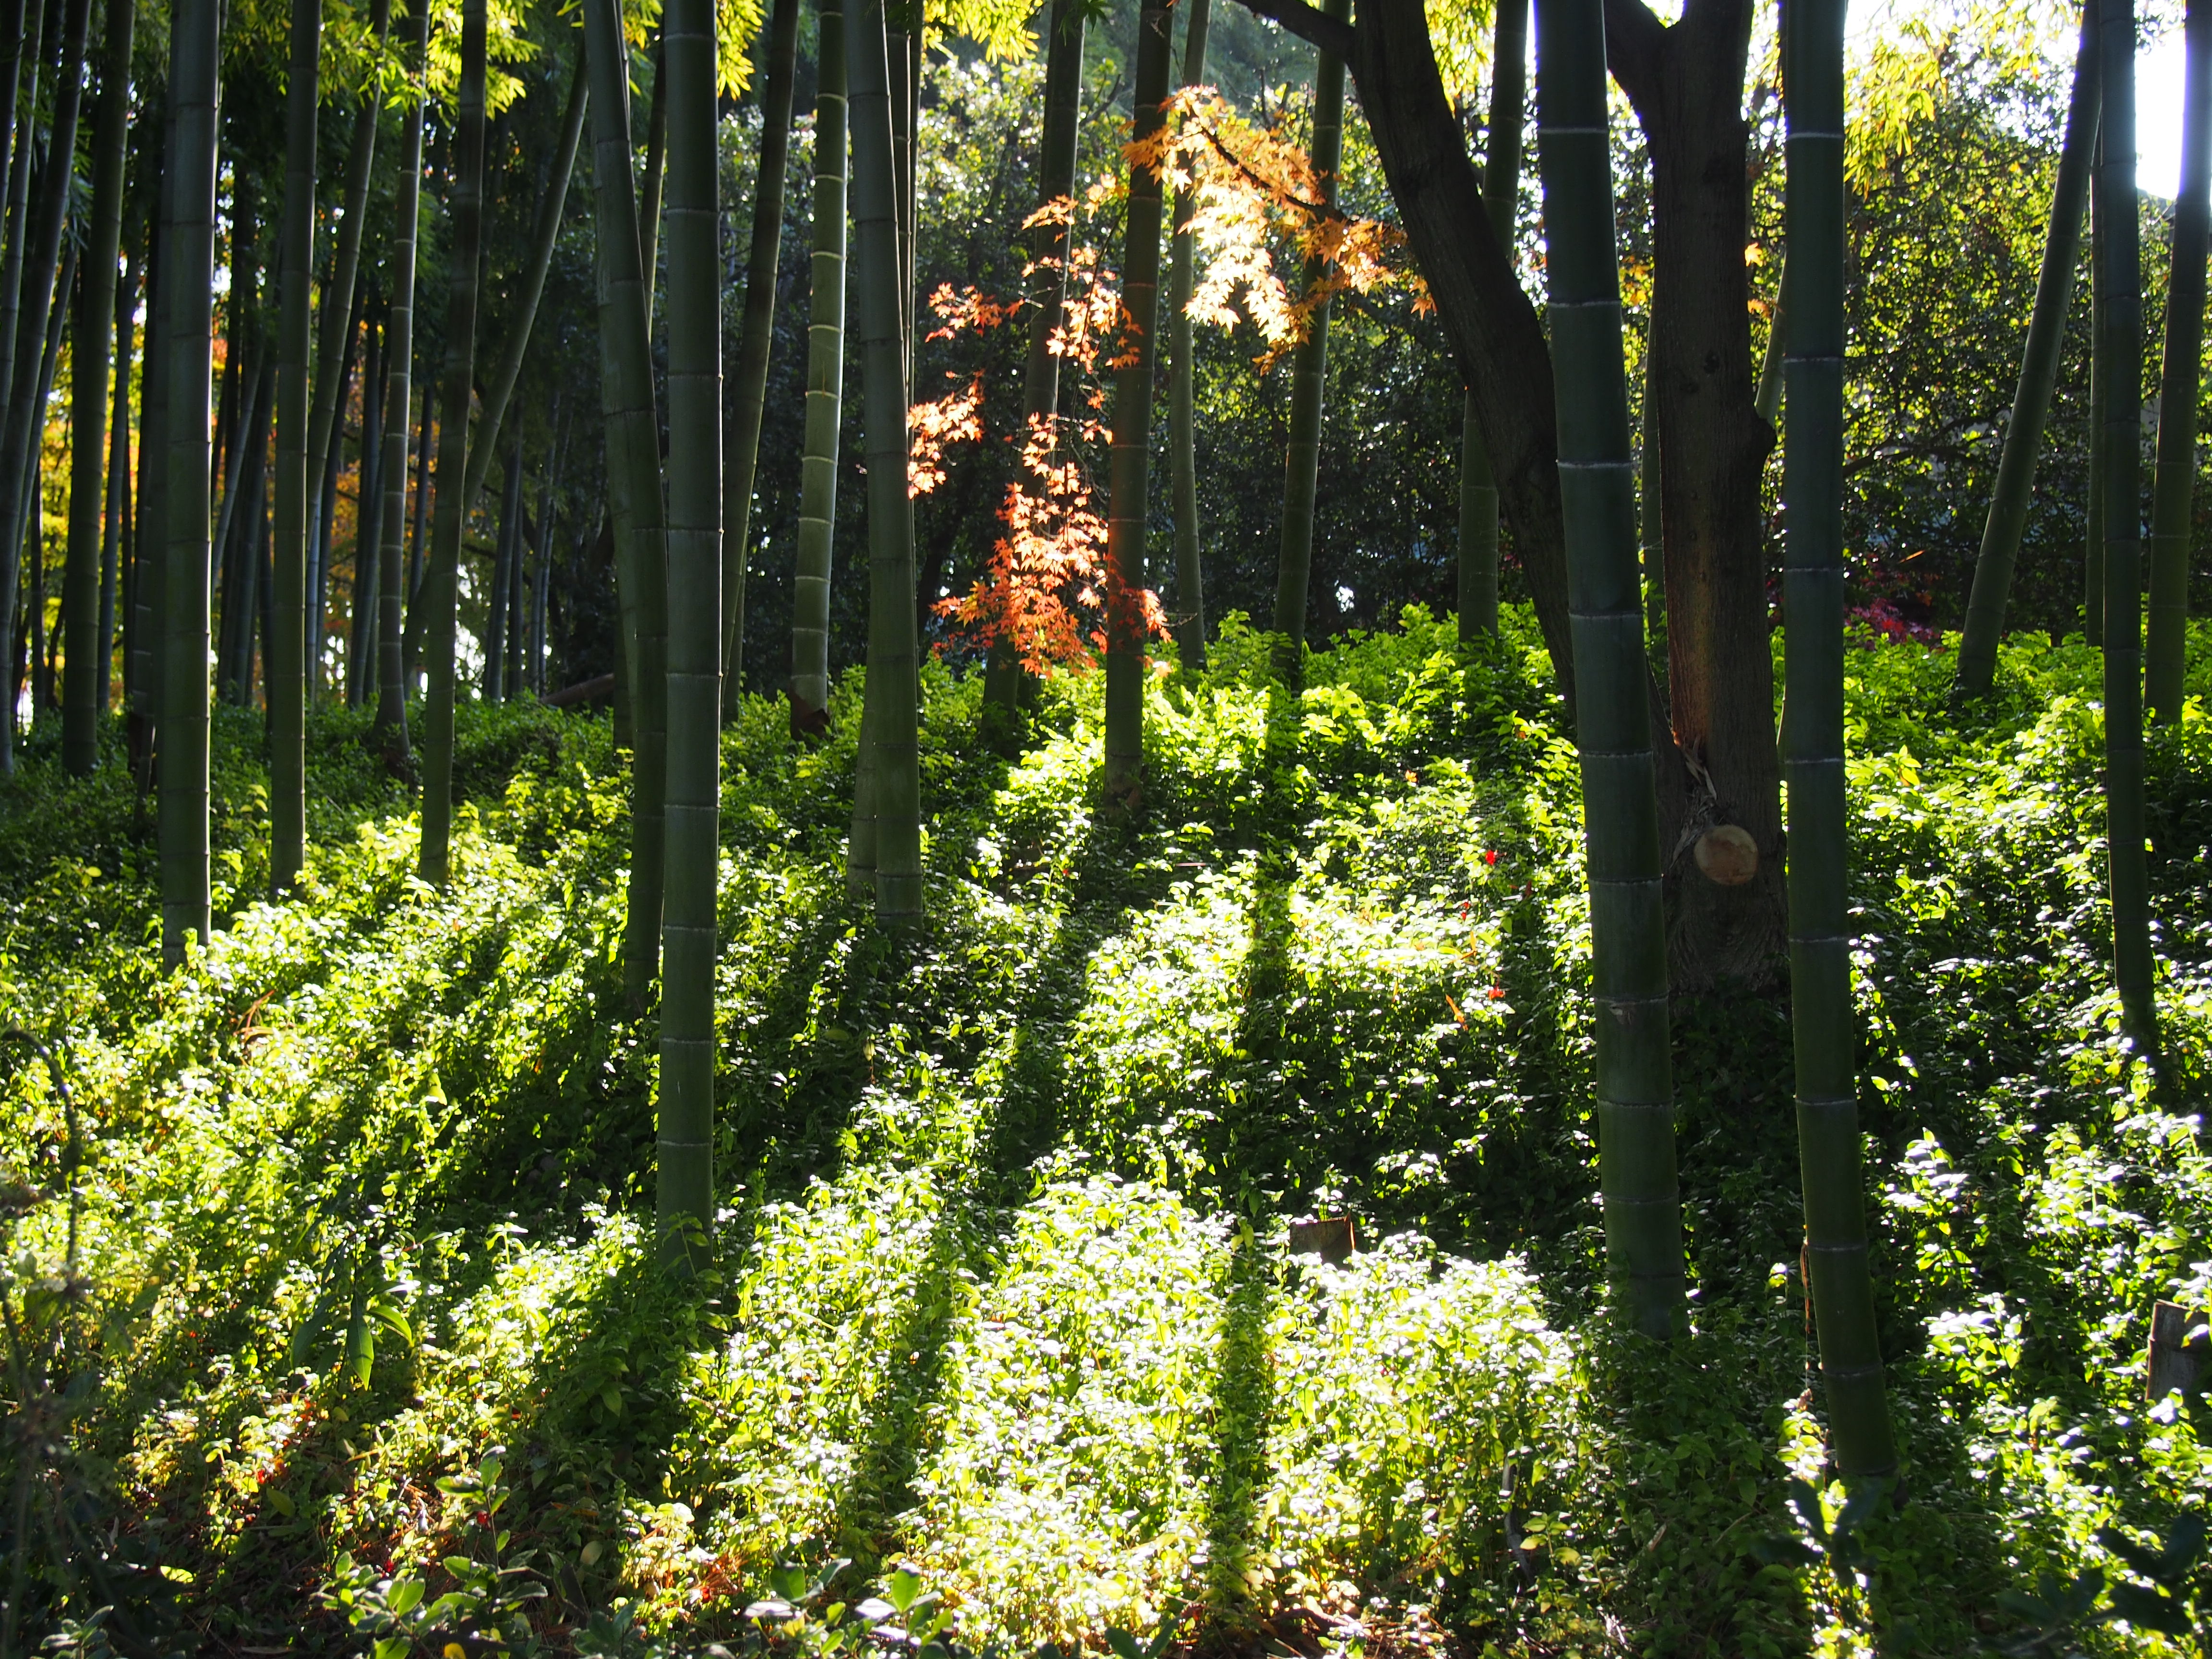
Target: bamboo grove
x=408, y=356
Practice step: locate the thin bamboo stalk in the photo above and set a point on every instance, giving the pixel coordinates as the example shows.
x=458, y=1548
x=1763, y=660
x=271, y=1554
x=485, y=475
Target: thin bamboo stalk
x=2121, y=262
x=1309, y=374
x=1182, y=422
x=825, y=385
x=2173, y=493
x=87, y=667
x=41, y=298
x=634, y=477
x=1501, y=202
x=390, y=726
x=741, y=436
x=441, y=582
x=2039, y=373
x=1129, y=465
x=287, y=677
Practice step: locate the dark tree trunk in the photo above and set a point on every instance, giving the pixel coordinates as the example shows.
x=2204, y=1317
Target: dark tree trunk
x=1686, y=84
x=1686, y=81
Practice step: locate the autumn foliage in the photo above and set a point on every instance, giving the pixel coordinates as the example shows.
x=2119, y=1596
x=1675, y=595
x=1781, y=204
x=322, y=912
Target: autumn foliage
x=1254, y=205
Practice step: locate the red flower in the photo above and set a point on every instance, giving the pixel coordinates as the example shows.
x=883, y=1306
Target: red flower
x=1497, y=992
x=1490, y=855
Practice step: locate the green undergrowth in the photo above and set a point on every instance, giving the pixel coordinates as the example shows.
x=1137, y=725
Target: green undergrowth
x=1004, y=1287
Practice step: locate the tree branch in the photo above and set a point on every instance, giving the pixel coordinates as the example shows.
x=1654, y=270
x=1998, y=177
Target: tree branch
x=1633, y=39
x=1309, y=23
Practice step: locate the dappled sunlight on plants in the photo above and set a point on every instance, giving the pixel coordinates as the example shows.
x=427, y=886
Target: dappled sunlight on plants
x=1003, y=1289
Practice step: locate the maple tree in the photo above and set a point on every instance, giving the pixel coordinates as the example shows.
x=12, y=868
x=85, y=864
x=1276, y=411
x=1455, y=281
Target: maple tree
x=1257, y=209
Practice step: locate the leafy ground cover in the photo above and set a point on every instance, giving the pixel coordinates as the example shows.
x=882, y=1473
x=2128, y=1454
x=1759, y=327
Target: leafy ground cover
x=363, y=1341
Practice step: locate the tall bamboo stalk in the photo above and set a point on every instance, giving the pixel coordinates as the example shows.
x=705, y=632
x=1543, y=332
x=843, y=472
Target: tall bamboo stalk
x=116, y=575
x=634, y=477
x=1183, y=424
x=656, y=162
x=24, y=88
x=368, y=521
x=893, y=707
x=332, y=468
x=825, y=387
x=399, y=354
x=1129, y=469
x=2122, y=262
x=2039, y=373
x=84, y=694
x=1048, y=245
x=1620, y=814
x=148, y=644
x=748, y=390
x=41, y=297
x=442, y=579
x=502, y=575
x=499, y=389
x=1309, y=372
x=2173, y=493
x=341, y=306
x=1501, y=202
x=188, y=277
x=1822, y=1019
x=686, y=1151
x=288, y=644
x=2093, y=561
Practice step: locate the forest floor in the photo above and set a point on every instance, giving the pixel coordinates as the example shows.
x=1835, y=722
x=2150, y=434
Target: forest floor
x=365, y=1337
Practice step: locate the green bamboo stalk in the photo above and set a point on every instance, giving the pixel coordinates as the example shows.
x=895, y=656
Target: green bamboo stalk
x=894, y=689
x=2122, y=261
x=390, y=728
x=1767, y=399
x=1048, y=242
x=634, y=473
x=150, y=522
x=656, y=160
x=42, y=296
x=2092, y=562
x=1309, y=369
x=1183, y=424
x=1822, y=1015
x=441, y=581
x=2173, y=493
x=188, y=278
x=368, y=521
x=320, y=544
x=340, y=298
x=84, y=688
x=116, y=575
x=499, y=391
x=825, y=389
x=1501, y=202
x=1129, y=467
x=741, y=435
x=24, y=88
x=686, y=1151
x=503, y=575
x=2039, y=373
x=1650, y=521
x=1620, y=814
x=287, y=679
